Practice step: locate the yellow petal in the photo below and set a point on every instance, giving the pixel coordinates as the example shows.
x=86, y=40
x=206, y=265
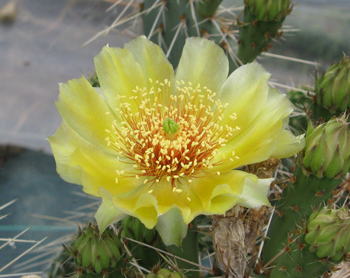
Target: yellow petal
x=81, y=162
x=85, y=112
x=258, y=140
x=152, y=60
x=288, y=145
x=140, y=204
x=219, y=193
x=118, y=74
x=146, y=209
x=202, y=62
x=245, y=91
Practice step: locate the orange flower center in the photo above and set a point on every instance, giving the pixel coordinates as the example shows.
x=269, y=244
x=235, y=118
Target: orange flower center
x=140, y=139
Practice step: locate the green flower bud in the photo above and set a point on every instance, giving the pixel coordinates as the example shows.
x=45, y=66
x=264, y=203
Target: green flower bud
x=269, y=10
x=164, y=273
x=95, y=253
x=329, y=233
x=333, y=87
x=133, y=228
x=327, y=149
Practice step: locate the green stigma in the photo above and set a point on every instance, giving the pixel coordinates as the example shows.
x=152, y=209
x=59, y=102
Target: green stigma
x=170, y=126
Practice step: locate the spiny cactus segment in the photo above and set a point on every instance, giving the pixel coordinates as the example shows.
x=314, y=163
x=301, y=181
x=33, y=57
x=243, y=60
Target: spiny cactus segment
x=296, y=204
x=262, y=22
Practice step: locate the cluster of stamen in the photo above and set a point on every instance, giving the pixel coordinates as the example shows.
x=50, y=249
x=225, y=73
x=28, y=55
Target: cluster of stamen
x=140, y=139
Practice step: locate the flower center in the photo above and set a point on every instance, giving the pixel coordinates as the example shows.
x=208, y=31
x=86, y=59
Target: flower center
x=166, y=136
x=170, y=128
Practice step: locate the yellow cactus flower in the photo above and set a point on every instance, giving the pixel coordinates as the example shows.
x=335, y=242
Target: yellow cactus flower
x=151, y=142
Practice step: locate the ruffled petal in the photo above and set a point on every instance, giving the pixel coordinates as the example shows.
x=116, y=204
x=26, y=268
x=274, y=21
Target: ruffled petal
x=85, y=111
x=202, y=62
x=146, y=209
x=219, y=193
x=81, y=162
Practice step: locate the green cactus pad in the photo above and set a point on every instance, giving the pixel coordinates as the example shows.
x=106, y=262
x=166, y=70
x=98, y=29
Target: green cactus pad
x=255, y=35
x=295, y=205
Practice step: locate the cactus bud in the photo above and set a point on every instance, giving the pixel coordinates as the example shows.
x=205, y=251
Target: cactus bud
x=327, y=149
x=329, y=233
x=269, y=10
x=95, y=253
x=164, y=273
x=333, y=87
